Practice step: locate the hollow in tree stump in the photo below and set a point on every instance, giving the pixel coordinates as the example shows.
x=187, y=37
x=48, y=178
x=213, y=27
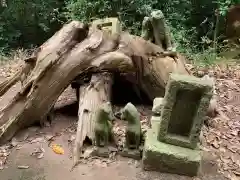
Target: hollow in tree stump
x=91, y=97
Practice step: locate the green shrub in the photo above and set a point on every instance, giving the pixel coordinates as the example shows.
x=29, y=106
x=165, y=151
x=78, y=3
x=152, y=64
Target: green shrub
x=184, y=16
x=27, y=23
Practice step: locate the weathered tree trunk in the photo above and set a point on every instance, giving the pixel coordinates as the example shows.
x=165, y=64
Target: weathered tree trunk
x=91, y=97
x=73, y=51
x=22, y=110
x=67, y=54
x=152, y=65
x=9, y=82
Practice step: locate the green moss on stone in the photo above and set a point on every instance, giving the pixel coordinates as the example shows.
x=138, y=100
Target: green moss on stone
x=155, y=122
x=111, y=25
x=133, y=128
x=131, y=153
x=185, y=104
x=159, y=156
x=103, y=126
x=157, y=106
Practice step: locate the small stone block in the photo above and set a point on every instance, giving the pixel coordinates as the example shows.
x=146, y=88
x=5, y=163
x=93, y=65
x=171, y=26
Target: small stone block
x=155, y=122
x=111, y=25
x=167, y=158
x=131, y=153
x=184, y=107
x=101, y=152
x=157, y=106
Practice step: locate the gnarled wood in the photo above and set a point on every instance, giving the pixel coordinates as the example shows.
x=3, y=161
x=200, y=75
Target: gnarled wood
x=152, y=66
x=91, y=97
x=22, y=110
x=59, y=61
x=74, y=51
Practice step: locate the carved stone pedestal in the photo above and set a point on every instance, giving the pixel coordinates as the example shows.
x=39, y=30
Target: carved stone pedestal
x=171, y=144
x=131, y=153
x=163, y=157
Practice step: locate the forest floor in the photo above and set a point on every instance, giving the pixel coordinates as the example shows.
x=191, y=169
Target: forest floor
x=30, y=157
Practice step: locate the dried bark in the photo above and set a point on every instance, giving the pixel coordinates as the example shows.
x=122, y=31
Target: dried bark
x=151, y=64
x=76, y=50
x=91, y=97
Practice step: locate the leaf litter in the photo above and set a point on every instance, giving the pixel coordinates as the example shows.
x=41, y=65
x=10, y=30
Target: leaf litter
x=221, y=135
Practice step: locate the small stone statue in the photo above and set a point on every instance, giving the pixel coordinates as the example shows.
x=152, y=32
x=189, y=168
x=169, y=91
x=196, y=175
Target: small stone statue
x=212, y=109
x=147, y=30
x=103, y=126
x=157, y=106
x=156, y=30
x=133, y=129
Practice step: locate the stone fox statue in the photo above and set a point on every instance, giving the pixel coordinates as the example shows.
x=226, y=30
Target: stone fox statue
x=147, y=30
x=103, y=126
x=156, y=30
x=133, y=129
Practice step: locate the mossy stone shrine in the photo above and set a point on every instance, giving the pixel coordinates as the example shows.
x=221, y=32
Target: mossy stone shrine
x=110, y=25
x=172, y=143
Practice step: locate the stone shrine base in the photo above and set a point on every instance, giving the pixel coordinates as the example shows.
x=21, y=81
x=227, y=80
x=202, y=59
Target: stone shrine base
x=162, y=157
x=131, y=153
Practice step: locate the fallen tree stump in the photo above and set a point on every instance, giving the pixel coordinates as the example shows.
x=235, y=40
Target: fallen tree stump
x=91, y=97
x=76, y=50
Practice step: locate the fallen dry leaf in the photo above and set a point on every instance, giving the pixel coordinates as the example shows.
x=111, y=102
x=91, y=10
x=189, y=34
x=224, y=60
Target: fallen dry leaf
x=196, y=178
x=71, y=139
x=100, y=163
x=205, y=149
x=23, y=167
x=88, y=152
x=40, y=156
x=18, y=147
x=237, y=172
x=38, y=139
x=227, y=142
x=57, y=149
x=14, y=142
x=38, y=153
x=215, y=144
x=49, y=137
x=234, y=149
x=234, y=132
x=2, y=162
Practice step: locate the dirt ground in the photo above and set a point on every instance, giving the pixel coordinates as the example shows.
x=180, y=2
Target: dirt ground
x=220, y=140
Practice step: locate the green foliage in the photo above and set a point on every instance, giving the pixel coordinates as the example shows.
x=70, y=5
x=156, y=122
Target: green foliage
x=224, y=5
x=26, y=23
x=190, y=21
x=130, y=12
